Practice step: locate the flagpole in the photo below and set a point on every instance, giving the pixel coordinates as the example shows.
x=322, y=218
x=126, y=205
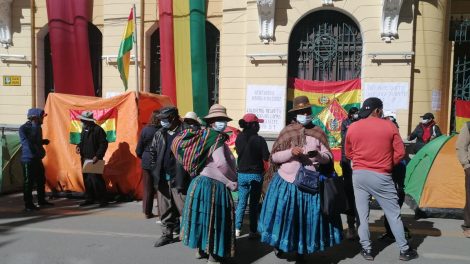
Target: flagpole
x=136, y=53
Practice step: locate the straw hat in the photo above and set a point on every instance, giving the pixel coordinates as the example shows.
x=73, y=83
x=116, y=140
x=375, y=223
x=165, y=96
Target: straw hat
x=192, y=116
x=217, y=111
x=87, y=116
x=300, y=103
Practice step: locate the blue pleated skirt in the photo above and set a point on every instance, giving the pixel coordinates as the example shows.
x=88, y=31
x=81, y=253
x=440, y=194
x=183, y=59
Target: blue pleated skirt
x=208, y=220
x=291, y=220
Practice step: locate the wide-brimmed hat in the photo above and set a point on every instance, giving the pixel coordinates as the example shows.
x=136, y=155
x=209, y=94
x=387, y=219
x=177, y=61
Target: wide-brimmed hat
x=369, y=105
x=87, y=116
x=217, y=111
x=167, y=111
x=252, y=118
x=192, y=116
x=300, y=103
x=36, y=112
x=427, y=116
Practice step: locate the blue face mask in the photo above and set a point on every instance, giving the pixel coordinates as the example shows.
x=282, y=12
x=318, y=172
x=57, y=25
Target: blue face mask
x=220, y=126
x=304, y=120
x=165, y=123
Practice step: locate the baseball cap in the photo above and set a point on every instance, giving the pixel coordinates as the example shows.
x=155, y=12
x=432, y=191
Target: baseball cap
x=36, y=112
x=369, y=105
x=427, y=116
x=167, y=111
x=252, y=118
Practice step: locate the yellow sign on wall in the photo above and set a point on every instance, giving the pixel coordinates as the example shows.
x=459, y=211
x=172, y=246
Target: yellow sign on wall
x=10, y=80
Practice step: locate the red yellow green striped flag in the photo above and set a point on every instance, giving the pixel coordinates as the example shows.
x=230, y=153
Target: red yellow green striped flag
x=462, y=113
x=183, y=54
x=124, y=55
x=106, y=118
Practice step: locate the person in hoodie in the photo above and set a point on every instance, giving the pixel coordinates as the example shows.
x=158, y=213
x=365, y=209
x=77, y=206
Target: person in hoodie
x=426, y=131
x=253, y=152
x=31, y=159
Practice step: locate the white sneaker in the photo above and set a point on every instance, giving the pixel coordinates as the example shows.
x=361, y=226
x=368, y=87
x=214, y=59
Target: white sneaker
x=237, y=232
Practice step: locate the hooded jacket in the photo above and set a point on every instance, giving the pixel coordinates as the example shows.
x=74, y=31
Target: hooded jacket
x=31, y=142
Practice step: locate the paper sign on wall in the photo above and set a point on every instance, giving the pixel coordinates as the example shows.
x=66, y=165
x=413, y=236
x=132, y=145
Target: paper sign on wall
x=436, y=100
x=269, y=103
x=394, y=95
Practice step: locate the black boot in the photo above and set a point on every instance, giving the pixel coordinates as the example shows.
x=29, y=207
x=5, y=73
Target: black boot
x=163, y=240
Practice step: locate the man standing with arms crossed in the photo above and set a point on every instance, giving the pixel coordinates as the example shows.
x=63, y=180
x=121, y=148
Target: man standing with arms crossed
x=374, y=146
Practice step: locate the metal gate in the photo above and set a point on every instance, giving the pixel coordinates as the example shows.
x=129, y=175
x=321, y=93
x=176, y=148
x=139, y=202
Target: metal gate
x=325, y=46
x=460, y=33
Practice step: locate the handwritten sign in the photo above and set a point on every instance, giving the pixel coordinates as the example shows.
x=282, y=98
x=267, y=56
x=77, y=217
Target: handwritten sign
x=394, y=95
x=269, y=103
x=9, y=80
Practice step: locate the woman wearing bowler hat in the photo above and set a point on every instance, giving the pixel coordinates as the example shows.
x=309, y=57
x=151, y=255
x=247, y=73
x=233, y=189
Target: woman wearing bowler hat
x=208, y=220
x=291, y=219
x=252, y=152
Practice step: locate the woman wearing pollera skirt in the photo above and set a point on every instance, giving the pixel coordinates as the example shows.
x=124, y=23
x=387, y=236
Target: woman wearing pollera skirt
x=291, y=220
x=208, y=220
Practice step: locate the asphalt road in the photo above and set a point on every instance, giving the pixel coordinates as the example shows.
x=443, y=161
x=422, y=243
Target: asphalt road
x=119, y=234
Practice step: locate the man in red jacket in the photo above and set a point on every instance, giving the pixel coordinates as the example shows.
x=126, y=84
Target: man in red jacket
x=374, y=146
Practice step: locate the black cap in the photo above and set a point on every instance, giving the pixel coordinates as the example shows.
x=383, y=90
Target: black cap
x=353, y=110
x=369, y=105
x=427, y=116
x=167, y=111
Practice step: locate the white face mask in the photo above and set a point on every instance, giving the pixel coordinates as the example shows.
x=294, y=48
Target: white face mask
x=355, y=116
x=424, y=121
x=220, y=126
x=165, y=123
x=304, y=120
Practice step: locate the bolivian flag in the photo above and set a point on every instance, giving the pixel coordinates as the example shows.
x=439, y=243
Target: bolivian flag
x=183, y=54
x=462, y=113
x=124, y=56
x=106, y=118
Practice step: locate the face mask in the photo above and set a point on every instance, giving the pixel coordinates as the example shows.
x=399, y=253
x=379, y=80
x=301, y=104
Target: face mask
x=165, y=123
x=355, y=116
x=304, y=120
x=220, y=126
x=424, y=121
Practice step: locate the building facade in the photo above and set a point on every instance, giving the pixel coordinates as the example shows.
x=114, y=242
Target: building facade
x=411, y=52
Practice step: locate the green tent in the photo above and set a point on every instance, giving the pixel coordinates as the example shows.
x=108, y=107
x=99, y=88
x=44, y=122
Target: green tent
x=433, y=182
x=11, y=177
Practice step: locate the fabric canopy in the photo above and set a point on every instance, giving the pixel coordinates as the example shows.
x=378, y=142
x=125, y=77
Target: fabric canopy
x=122, y=172
x=68, y=32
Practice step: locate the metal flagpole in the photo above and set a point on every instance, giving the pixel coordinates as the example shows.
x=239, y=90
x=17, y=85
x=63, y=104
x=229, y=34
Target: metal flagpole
x=136, y=48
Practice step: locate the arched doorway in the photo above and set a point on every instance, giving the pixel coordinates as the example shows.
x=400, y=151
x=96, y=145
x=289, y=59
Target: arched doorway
x=325, y=46
x=212, y=51
x=95, y=38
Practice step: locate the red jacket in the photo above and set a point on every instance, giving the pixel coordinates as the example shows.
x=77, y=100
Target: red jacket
x=374, y=144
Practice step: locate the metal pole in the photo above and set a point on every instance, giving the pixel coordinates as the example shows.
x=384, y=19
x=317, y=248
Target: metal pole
x=136, y=54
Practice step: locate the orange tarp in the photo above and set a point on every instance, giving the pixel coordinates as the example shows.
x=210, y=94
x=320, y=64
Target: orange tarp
x=122, y=172
x=445, y=184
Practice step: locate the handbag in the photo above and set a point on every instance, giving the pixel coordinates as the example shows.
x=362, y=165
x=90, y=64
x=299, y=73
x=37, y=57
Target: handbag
x=307, y=180
x=333, y=197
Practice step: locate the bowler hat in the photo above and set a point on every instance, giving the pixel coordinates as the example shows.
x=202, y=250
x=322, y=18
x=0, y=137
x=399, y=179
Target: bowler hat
x=300, y=103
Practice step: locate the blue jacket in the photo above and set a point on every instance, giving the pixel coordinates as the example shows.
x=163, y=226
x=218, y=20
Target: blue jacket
x=31, y=142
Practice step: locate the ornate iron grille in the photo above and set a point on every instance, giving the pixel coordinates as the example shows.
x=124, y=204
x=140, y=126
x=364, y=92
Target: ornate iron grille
x=460, y=30
x=325, y=46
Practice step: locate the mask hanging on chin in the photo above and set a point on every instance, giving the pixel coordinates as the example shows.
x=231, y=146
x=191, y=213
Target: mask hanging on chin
x=304, y=120
x=220, y=126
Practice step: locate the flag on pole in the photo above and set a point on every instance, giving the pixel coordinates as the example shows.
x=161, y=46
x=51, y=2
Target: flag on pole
x=124, y=56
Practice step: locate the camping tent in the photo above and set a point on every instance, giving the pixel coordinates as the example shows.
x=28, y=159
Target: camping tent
x=122, y=171
x=434, y=181
x=11, y=176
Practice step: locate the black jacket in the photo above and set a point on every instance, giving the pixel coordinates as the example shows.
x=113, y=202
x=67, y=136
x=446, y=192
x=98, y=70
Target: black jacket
x=344, y=129
x=181, y=178
x=418, y=135
x=252, y=150
x=143, y=146
x=93, y=142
